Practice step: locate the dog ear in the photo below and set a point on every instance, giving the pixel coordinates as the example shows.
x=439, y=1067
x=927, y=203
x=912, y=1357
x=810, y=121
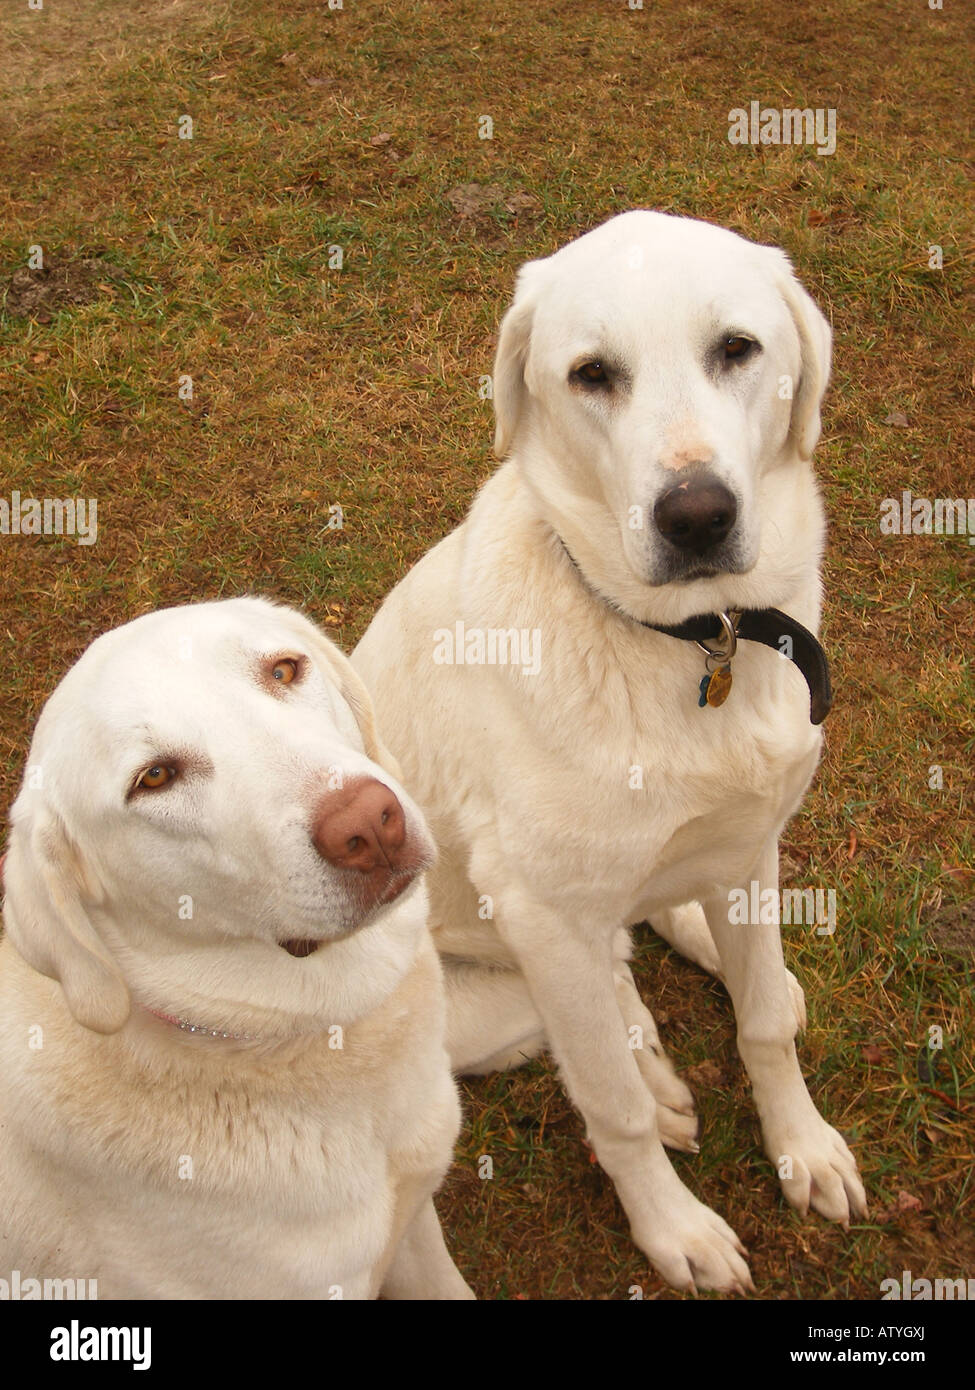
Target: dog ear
x=353, y=690
x=511, y=357
x=44, y=877
x=815, y=346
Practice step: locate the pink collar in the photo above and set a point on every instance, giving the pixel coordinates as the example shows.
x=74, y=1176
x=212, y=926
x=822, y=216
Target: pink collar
x=198, y=1028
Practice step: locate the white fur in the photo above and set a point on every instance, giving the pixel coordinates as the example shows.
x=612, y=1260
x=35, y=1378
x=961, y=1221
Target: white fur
x=168, y=1164
x=546, y=853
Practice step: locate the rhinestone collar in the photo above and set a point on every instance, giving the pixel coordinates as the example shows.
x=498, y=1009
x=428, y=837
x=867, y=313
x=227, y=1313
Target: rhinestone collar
x=199, y=1028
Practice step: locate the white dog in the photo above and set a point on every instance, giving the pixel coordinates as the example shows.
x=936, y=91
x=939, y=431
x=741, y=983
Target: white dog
x=221, y=1014
x=657, y=387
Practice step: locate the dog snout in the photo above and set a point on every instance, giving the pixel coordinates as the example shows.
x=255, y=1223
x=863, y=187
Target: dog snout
x=696, y=514
x=362, y=826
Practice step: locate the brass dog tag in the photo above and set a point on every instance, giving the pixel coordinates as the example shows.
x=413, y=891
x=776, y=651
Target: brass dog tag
x=716, y=687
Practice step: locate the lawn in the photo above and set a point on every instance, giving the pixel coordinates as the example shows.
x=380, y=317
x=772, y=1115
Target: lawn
x=274, y=251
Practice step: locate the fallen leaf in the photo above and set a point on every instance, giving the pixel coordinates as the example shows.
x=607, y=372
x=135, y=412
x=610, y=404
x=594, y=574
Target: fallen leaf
x=704, y=1074
x=947, y=1099
x=383, y=138
x=871, y=1053
x=897, y=417
x=788, y=868
x=905, y=1202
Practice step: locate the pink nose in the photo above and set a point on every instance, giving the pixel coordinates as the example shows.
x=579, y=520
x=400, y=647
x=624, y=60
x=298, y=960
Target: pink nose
x=361, y=827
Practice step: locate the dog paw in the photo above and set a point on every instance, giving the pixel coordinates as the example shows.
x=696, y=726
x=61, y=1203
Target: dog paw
x=678, y=1130
x=817, y=1169
x=798, y=997
x=692, y=1248
x=676, y=1111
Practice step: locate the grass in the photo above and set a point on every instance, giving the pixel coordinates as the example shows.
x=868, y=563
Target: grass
x=314, y=385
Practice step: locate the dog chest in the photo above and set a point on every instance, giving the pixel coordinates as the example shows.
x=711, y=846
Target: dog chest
x=599, y=796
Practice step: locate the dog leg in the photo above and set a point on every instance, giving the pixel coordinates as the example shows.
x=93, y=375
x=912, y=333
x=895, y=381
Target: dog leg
x=814, y=1164
x=492, y=1023
x=686, y=929
x=422, y=1268
x=570, y=976
x=676, y=1112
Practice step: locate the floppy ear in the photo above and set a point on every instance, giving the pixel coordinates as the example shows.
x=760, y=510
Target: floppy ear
x=510, y=359
x=815, y=345
x=43, y=880
x=353, y=690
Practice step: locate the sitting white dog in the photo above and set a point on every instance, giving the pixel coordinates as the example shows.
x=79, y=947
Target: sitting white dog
x=588, y=686
x=222, y=1067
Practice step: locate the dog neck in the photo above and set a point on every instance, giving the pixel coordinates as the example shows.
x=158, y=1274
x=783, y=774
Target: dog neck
x=199, y=1029
x=243, y=989
x=769, y=626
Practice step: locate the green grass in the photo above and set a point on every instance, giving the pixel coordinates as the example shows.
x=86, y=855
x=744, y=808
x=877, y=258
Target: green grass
x=358, y=386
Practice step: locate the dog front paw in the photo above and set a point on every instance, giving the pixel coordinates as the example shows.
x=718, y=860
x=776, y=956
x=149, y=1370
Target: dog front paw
x=690, y=1246
x=817, y=1169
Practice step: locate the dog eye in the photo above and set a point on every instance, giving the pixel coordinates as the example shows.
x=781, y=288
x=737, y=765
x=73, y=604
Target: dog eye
x=736, y=349
x=592, y=373
x=155, y=777
x=284, y=671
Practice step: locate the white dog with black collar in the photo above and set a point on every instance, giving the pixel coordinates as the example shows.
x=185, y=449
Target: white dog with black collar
x=657, y=392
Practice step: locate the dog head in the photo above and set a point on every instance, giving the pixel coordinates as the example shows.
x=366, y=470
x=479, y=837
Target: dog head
x=658, y=382
x=207, y=802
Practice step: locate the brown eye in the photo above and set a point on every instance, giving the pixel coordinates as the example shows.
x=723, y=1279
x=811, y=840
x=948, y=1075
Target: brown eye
x=736, y=349
x=155, y=777
x=593, y=373
x=285, y=670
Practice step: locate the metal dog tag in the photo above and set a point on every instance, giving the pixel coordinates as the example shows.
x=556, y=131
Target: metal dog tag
x=715, y=687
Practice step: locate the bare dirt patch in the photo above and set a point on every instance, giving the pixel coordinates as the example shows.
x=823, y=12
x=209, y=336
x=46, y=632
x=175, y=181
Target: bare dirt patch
x=60, y=283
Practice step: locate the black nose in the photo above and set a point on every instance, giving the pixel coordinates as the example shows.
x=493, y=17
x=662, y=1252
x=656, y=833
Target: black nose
x=696, y=514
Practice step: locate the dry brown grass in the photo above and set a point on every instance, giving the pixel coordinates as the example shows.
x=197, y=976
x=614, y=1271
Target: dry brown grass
x=359, y=387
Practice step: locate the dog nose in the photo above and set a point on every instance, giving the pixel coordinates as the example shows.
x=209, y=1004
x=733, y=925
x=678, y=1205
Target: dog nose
x=696, y=514
x=361, y=826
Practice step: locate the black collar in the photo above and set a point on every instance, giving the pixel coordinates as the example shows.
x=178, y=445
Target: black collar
x=766, y=625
